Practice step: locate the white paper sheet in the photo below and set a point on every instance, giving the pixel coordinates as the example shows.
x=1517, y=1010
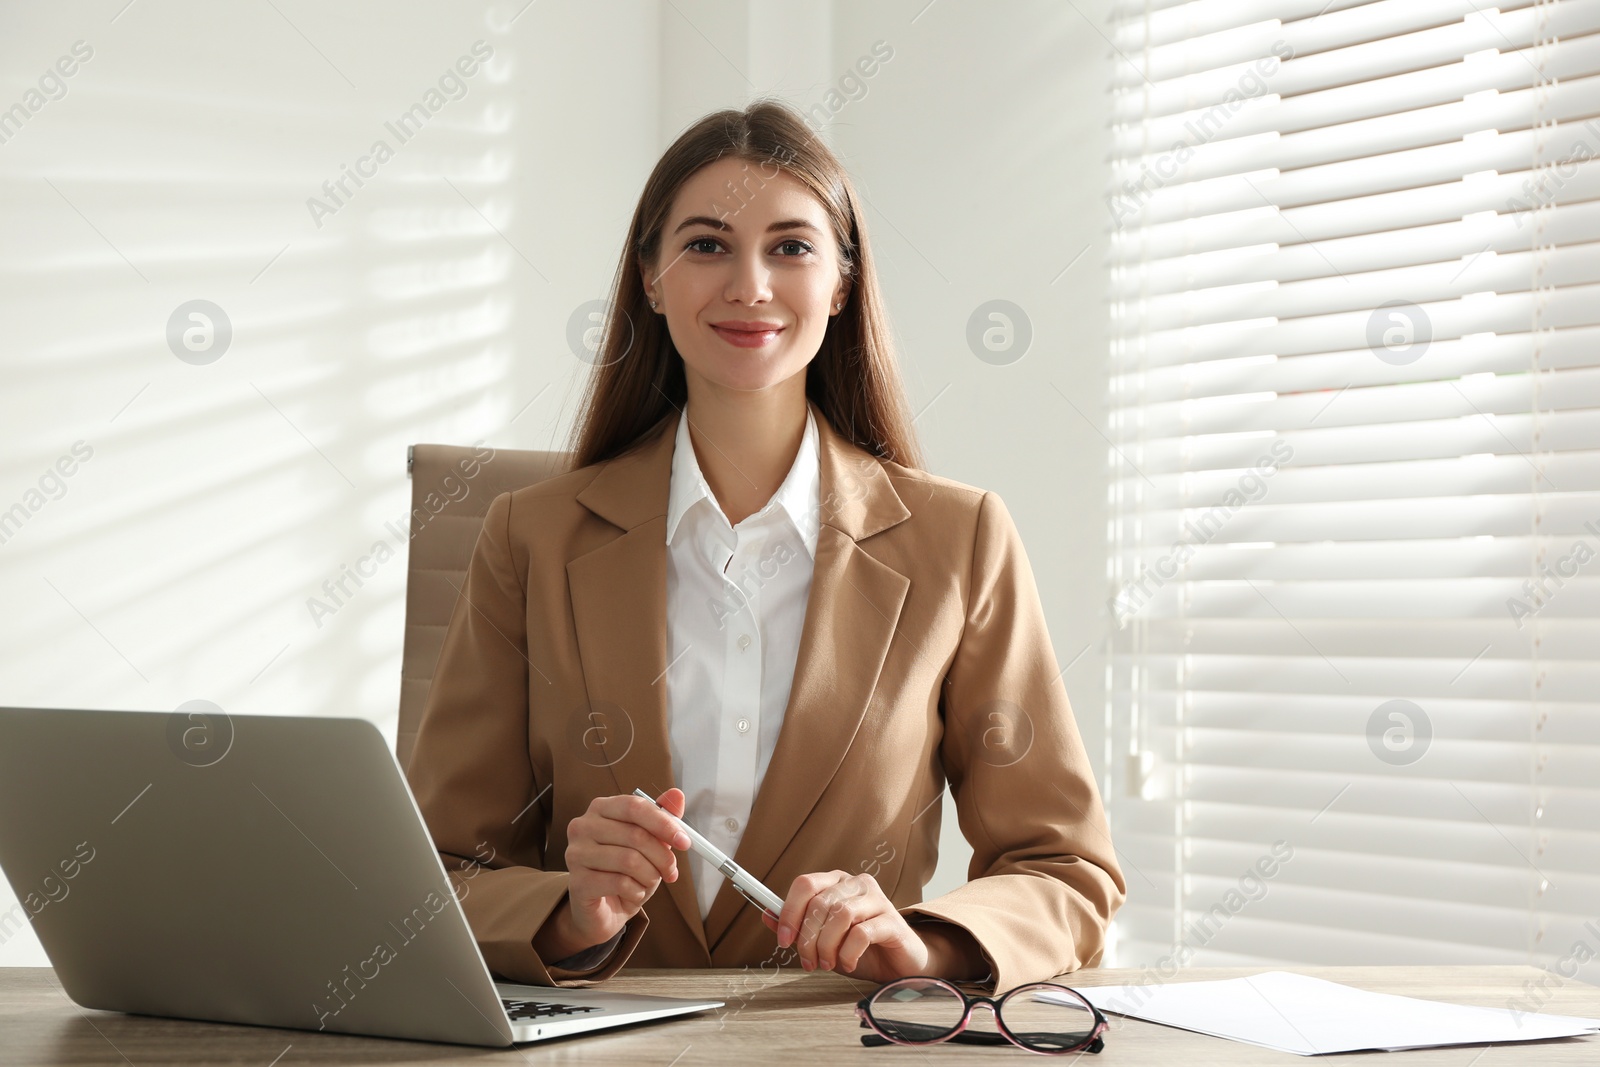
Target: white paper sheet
x=1311, y=1016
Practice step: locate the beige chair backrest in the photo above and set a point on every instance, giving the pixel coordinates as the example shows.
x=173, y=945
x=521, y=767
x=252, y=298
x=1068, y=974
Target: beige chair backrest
x=447, y=509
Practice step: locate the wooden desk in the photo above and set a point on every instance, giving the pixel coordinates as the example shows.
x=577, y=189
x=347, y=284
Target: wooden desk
x=789, y=1017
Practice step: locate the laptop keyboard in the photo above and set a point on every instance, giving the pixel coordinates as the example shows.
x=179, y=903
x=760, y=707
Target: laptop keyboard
x=539, y=1009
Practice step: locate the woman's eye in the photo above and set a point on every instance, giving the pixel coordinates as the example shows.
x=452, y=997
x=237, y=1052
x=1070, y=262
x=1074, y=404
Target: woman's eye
x=697, y=244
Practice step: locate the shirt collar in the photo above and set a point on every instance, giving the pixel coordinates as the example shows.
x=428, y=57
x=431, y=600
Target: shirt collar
x=799, y=496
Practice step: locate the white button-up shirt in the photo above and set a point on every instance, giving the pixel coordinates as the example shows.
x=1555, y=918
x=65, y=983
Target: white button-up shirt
x=736, y=604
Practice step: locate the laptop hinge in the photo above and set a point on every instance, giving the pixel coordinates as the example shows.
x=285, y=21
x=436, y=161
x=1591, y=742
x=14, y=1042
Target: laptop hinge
x=411, y=455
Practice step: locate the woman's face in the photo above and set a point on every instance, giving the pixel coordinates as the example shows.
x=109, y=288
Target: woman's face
x=745, y=245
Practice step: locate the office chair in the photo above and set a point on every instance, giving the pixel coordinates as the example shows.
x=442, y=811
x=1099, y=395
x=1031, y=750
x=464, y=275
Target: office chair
x=441, y=547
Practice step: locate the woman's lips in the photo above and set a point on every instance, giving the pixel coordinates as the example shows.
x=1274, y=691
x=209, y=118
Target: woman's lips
x=748, y=338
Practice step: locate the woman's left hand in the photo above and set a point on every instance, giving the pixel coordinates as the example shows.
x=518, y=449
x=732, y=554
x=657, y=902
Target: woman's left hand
x=843, y=922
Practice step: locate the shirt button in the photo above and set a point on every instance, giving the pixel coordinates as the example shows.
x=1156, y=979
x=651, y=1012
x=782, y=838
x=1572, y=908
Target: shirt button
x=744, y=726
x=744, y=641
x=732, y=825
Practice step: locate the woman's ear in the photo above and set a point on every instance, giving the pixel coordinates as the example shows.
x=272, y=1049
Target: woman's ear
x=647, y=281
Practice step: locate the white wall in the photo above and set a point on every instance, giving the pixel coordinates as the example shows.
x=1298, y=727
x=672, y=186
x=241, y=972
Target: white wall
x=979, y=147
x=433, y=305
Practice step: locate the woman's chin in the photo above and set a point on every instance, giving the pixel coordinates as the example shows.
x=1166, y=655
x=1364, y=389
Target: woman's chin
x=748, y=376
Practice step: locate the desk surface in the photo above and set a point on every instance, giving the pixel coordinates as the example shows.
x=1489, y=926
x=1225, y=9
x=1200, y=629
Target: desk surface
x=790, y=1016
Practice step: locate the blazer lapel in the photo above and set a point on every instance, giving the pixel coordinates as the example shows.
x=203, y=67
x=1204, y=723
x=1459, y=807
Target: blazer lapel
x=619, y=609
x=852, y=611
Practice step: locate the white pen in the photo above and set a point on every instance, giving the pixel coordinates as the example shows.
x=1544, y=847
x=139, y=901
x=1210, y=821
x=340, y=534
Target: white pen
x=751, y=889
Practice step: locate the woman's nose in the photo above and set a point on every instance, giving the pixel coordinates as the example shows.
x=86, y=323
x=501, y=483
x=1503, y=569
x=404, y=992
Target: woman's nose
x=751, y=281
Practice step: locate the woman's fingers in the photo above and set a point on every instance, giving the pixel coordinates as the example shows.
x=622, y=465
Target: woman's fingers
x=644, y=813
x=794, y=905
x=812, y=900
x=861, y=937
x=674, y=801
x=624, y=887
x=627, y=835
x=621, y=860
x=631, y=835
x=838, y=910
x=833, y=918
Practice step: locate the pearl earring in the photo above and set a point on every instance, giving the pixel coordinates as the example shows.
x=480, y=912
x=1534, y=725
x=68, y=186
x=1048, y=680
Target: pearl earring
x=652, y=303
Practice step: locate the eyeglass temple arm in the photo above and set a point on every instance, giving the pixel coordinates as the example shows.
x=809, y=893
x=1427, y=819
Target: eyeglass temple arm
x=970, y=1037
x=978, y=1037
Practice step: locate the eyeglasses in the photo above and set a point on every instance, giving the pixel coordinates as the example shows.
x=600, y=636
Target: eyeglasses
x=1042, y=1017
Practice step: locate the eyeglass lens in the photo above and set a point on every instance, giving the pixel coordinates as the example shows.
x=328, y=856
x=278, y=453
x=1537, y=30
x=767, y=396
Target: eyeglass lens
x=917, y=1010
x=1041, y=1018
x=1046, y=1019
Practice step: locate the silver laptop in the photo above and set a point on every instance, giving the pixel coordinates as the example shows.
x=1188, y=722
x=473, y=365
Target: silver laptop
x=262, y=869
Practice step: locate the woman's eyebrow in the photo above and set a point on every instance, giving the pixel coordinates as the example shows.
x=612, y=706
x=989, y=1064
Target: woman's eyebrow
x=718, y=224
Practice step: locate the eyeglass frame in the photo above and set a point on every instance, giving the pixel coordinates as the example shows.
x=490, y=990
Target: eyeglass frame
x=1094, y=1042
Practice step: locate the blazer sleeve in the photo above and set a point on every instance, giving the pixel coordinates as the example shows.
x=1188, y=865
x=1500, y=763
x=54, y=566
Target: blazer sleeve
x=473, y=778
x=1044, y=880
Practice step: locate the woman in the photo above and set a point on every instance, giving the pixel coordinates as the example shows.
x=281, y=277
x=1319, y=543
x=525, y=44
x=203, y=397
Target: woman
x=747, y=599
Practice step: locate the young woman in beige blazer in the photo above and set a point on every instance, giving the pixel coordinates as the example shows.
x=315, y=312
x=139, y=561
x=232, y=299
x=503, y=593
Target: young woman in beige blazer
x=923, y=656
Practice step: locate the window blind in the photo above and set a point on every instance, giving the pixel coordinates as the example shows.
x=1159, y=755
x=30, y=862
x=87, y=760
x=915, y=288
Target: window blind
x=1354, y=703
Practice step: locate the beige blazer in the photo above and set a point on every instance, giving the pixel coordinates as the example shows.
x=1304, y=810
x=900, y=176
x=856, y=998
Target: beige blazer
x=924, y=659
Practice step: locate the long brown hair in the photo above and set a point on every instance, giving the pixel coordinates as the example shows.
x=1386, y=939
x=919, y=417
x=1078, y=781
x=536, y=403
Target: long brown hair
x=638, y=377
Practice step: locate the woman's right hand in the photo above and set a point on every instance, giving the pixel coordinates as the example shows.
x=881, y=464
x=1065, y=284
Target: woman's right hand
x=618, y=852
